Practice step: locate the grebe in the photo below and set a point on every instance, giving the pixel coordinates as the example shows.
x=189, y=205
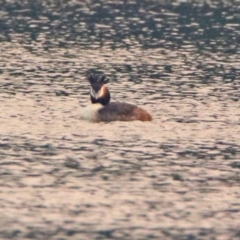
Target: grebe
x=102, y=110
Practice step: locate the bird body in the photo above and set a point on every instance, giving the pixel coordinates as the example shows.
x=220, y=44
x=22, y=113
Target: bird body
x=102, y=110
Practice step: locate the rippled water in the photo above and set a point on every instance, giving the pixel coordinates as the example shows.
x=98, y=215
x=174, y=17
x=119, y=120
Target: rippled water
x=174, y=178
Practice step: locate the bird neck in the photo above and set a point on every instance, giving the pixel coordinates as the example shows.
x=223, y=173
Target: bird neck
x=103, y=99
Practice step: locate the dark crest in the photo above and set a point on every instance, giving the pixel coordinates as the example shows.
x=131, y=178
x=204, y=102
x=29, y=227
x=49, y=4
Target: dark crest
x=100, y=79
x=98, y=92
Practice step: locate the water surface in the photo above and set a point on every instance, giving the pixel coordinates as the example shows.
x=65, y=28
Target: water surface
x=176, y=177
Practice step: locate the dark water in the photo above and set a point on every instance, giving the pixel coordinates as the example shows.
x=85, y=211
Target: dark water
x=174, y=178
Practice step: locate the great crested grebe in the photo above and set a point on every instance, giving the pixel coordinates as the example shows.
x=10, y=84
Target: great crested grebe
x=102, y=110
